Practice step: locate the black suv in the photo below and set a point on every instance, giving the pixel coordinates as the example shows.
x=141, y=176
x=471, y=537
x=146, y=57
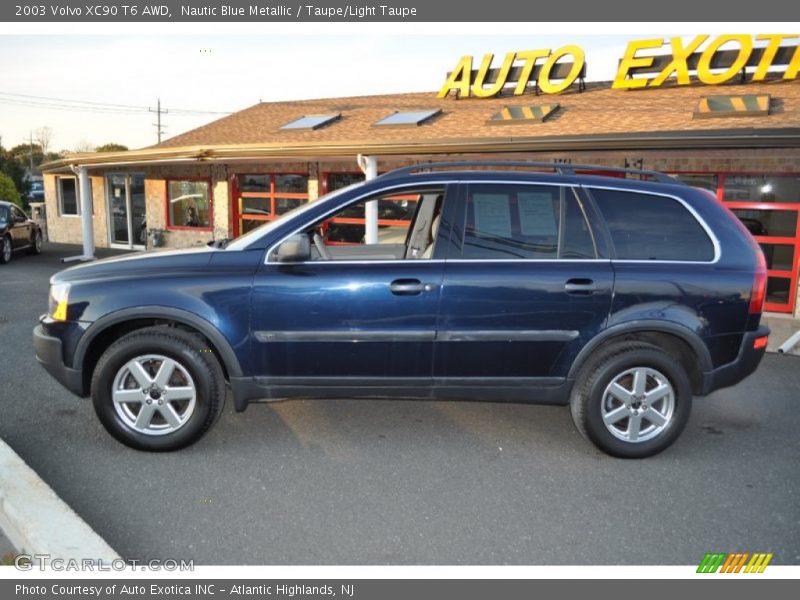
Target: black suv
x=17, y=232
x=620, y=297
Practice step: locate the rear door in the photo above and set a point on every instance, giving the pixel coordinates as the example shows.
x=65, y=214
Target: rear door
x=523, y=286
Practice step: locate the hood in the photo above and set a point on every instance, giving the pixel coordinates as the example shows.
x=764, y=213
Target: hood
x=120, y=266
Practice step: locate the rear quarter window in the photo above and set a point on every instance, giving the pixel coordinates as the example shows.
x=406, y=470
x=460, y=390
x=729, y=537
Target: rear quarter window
x=650, y=227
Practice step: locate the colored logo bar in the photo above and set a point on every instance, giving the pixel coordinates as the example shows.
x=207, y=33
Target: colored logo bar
x=737, y=562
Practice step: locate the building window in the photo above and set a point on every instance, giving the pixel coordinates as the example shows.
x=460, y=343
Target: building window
x=336, y=181
x=264, y=197
x=67, y=190
x=189, y=204
x=762, y=188
x=311, y=122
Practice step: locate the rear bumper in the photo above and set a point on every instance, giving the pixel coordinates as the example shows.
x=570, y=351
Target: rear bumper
x=50, y=355
x=744, y=365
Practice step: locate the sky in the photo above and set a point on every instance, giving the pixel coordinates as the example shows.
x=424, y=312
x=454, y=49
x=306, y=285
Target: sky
x=214, y=74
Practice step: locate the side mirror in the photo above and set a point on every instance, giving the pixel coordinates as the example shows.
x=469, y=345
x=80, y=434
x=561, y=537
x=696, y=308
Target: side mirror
x=297, y=248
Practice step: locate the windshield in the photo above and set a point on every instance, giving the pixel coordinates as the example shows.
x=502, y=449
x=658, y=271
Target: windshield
x=251, y=236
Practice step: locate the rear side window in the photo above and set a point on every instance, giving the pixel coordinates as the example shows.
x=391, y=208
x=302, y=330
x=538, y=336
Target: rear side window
x=507, y=221
x=649, y=227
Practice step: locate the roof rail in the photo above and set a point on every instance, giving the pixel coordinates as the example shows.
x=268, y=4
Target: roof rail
x=560, y=168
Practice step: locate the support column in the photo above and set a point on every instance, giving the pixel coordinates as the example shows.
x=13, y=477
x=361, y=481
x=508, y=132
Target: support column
x=87, y=224
x=369, y=165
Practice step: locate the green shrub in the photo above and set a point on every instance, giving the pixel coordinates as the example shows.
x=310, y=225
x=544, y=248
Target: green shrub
x=8, y=190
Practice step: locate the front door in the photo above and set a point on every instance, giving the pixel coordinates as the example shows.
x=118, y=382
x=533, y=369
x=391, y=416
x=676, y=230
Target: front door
x=365, y=315
x=21, y=234
x=126, y=211
x=525, y=289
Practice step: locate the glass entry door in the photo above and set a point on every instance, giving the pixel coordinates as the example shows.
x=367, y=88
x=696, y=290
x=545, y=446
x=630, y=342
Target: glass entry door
x=127, y=226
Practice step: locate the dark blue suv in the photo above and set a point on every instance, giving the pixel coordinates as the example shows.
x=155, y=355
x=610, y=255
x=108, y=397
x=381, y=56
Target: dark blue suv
x=619, y=297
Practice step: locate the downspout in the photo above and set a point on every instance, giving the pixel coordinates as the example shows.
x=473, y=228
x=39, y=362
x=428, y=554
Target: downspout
x=87, y=226
x=369, y=165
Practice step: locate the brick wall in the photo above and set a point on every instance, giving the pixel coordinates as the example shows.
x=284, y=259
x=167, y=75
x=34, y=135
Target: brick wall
x=68, y=229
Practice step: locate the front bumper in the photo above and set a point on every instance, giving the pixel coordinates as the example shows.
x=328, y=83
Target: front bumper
x=50, y=355
x=744, y=365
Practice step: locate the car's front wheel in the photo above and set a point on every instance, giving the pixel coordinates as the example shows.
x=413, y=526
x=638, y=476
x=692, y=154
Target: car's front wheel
x=5, y=249
x=158, y=389
x=632, y=401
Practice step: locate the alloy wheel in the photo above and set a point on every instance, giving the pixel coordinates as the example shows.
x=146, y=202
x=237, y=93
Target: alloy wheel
x=638, y=404
x=154, y=394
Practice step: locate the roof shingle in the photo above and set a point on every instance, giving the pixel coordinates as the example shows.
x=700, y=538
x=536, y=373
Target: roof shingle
x=598, y=110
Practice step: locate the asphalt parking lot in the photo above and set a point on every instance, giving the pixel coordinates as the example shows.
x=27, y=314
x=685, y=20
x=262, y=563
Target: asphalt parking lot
x=392, y=482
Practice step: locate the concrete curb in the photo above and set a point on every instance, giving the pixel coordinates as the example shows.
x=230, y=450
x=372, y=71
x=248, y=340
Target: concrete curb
x=37, y=521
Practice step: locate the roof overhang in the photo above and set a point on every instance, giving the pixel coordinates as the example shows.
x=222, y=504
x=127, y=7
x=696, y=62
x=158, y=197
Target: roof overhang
x=718, y=138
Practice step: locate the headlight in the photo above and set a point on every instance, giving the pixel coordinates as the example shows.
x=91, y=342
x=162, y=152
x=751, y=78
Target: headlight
x=59, y=296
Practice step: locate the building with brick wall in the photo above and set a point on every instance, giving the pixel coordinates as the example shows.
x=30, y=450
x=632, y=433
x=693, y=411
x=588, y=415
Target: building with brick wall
x=741, y=141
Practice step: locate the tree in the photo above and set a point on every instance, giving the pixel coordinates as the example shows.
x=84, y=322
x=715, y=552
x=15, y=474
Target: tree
x=43, y=137
x=14, y=168
x=22, y=154
x=8, y=191
x=111, y=147
x=84, y=146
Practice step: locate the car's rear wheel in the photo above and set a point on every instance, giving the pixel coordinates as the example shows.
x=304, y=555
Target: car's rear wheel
x=632, y=401
x=36, y=243
x=5, y=249
x=158, y=389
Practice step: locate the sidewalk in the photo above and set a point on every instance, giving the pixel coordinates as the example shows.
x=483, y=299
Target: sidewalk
x=33, y=519
x=781, y=329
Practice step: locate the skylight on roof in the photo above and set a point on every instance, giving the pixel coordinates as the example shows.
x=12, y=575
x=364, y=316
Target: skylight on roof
x=414, y=117
x=748, y=105
x=523, y=114
x=311, y=122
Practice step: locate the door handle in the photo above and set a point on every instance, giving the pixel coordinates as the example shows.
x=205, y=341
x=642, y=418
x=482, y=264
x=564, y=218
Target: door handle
x=580, y=286
x=408, y=287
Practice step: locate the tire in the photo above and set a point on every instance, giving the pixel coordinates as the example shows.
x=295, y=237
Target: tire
x=36, y=243
x=665, y=397
x=6, y=250
x=183, y=379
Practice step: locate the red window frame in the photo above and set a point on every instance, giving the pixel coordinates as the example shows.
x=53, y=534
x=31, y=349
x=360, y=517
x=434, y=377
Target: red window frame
x=170, y=226
x=272, y=195
x=792, y=275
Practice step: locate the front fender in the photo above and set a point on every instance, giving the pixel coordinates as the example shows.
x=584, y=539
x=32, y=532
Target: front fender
x=220, y=342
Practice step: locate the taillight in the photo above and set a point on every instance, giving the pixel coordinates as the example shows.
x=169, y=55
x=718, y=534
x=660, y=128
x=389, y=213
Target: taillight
x=759, y=282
